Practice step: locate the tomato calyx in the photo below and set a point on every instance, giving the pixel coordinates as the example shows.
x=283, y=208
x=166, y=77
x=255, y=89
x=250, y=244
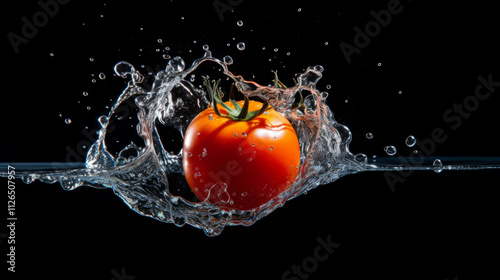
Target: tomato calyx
x=237, y=113
x=278, y=84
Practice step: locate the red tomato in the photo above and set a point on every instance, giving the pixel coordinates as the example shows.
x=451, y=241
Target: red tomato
x=240, y=164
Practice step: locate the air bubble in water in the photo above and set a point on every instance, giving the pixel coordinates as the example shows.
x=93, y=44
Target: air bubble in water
x=439, y=165
x=228, y=60
x=241, y=46
x=410, y=141
x=390, y=150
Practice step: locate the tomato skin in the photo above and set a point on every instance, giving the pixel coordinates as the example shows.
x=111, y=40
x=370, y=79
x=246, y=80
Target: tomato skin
x=240, y=164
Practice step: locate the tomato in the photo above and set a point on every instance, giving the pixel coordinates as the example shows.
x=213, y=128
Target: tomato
x=240, y=164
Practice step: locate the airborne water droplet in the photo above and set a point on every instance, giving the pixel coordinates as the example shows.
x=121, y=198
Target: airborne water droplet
x=410, y=141
x=68, y=121
x=241, y=46
x=102, y=76
x=239, y=23
x=439, y=165
x=369, y=135
x=390, y=150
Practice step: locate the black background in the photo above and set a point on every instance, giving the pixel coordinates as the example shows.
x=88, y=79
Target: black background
x=432, y=226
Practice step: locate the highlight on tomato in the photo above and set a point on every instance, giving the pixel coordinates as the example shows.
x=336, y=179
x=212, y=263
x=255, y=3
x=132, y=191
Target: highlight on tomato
x=239, y=154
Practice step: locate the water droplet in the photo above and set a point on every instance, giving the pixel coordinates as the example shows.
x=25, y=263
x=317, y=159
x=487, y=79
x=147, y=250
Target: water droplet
x=288, y=53
x=399, y=92
x=159, y=41
x=91, y=59
x=28, y=179
x=228, y=60
x=205, y=47
x=272, y=147
x=276, y=49
x=85, y=93
x=439, y=165
x=193, y=76
x=68, y=121
x=210, y=117
x=328, y=86
x=241, y=46
x=239, y=23
x=93, y=81
x=102, y=76
x=379, y=64
x=243, y=135
x=361, y=158
x=244, y=194
x=299, y=10
x=369, y=135
x=324, y=95
x=390, y=150
x=204, y=153
x=89, y=108
x=410, y=141
x=326, y=43
x=51, y=54
x=166, y=56
x=236, y=135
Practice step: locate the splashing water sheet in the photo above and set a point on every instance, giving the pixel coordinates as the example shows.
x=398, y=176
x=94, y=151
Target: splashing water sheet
x=149, y=179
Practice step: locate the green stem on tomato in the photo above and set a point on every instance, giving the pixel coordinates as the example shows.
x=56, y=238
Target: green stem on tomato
x=237, y=113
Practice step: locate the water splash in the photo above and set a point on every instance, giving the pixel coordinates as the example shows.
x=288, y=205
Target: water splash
x=149, y=179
